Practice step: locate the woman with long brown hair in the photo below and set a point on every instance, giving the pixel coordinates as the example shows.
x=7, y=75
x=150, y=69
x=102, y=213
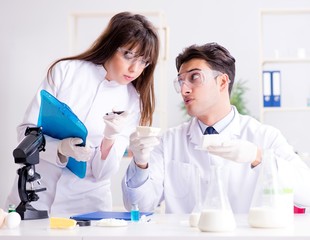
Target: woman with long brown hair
x=115, y=73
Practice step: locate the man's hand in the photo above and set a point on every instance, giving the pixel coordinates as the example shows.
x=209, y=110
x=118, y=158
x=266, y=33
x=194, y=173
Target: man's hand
x=114, y=124
x=236, y=150
x=141, y=148
x=70, y=147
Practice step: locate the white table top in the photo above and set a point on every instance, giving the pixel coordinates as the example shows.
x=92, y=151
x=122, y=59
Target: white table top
x=161, y=226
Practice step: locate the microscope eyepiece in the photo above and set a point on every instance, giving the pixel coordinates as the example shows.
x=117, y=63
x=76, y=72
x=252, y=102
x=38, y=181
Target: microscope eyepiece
x=28, y=149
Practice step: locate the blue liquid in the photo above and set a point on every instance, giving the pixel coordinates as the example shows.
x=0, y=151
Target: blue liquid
x=135, y=215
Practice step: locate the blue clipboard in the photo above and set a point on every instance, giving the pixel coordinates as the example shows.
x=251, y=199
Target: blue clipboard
x=58, y=121
x=98, y=215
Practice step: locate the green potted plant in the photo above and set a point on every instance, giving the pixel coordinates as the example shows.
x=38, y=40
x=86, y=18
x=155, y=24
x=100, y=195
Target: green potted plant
x=237, y=96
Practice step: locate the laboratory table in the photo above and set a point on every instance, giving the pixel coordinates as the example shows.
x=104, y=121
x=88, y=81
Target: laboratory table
x=160, y=226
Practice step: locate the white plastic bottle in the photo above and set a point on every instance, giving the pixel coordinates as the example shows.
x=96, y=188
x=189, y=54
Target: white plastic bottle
x=12, y=219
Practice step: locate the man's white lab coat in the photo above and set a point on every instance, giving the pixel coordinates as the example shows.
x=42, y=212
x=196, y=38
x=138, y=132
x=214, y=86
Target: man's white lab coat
x=176, y=164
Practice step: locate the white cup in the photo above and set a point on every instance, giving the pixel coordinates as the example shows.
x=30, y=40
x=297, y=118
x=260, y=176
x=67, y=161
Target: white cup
x=301, y=53
x=276, y=54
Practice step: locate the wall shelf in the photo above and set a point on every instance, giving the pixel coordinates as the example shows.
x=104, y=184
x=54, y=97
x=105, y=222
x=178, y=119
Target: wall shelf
x=285, y=60
x=286, y=109
x=285, y=47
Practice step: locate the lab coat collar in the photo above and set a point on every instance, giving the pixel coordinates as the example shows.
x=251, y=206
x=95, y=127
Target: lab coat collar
x=232, y=130
x=103, y=72
x=194, y=132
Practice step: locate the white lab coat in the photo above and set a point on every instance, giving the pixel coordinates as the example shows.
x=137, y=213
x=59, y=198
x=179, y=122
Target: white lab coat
x=83, y=87
x=175, y=164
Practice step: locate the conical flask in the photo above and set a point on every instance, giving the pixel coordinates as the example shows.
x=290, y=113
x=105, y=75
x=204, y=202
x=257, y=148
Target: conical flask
x=195, y=214
x=272, y=203
x=216, y=215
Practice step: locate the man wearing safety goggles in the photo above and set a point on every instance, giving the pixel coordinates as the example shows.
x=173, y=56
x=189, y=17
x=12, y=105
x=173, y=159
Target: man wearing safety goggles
x=167, y=170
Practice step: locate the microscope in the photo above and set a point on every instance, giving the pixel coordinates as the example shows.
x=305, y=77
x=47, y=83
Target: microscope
x=27, y=153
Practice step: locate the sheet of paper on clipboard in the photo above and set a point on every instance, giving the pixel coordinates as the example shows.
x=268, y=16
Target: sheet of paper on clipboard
x=58, y=121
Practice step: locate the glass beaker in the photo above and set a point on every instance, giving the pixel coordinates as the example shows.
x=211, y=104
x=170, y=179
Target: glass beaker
x=195, y=214
x=216, y=215
x=272, y=204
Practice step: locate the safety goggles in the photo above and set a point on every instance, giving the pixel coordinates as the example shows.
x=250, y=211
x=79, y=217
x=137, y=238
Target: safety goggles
x=194, y=78
x=132, y=58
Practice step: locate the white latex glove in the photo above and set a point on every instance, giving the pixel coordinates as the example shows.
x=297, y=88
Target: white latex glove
x=68, y=147
x=237, y=150
x=141, y=147
x=114, y=124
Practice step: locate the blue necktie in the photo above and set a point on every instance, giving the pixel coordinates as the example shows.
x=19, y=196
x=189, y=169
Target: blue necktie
x=210, y=130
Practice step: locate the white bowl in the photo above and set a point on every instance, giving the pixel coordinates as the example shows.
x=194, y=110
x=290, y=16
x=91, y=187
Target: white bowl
x=211, y=140
x=145, y=131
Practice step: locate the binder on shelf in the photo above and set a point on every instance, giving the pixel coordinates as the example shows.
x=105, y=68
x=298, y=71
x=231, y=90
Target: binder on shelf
x=272, y=88
x=276, y=89
x=267, y=89
x=58, y=121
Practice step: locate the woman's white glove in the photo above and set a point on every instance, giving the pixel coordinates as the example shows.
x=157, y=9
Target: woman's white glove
x=114, y=124
x=141, y=147
x=71, y=147
x=237, y=150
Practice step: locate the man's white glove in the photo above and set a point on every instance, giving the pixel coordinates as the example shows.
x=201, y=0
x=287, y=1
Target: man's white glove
x=141, y=147
x=235, y=150
x=114, y=124
x=70, y=147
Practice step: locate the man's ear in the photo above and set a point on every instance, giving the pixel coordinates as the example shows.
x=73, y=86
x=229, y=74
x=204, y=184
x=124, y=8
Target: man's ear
x=223, y=81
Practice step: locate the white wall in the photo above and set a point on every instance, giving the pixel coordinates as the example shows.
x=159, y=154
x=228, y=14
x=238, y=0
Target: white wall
x=34, y=33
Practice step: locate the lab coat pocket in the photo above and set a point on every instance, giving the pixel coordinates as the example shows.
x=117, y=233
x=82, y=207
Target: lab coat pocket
x=178, y=179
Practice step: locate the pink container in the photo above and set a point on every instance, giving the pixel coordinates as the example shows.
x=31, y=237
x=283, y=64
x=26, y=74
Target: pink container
x=298, y=210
